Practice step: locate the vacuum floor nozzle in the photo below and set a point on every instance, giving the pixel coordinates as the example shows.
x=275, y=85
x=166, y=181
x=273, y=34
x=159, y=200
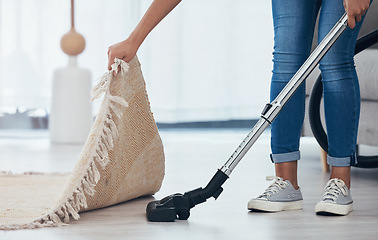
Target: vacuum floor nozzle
x=177, y=206
x=168, y=209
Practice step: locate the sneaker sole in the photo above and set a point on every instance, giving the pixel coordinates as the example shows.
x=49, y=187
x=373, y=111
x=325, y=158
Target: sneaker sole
x=323, y=208
x=267, y=206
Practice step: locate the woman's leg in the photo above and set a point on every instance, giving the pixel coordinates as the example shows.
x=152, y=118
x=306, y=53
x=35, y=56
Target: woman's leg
x=342, y=109
x=294, y=22
x=341, y=92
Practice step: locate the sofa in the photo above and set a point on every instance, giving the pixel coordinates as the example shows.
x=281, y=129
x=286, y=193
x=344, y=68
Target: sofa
x=367, y=70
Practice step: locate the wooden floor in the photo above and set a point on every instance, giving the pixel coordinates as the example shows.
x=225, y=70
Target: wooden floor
x=192, y=157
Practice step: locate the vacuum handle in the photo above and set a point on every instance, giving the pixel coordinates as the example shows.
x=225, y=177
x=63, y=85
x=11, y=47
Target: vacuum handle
x=272, y=109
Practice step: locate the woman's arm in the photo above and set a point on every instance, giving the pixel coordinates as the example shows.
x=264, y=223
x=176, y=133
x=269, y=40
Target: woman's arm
x=127, y=49
x=355, y=10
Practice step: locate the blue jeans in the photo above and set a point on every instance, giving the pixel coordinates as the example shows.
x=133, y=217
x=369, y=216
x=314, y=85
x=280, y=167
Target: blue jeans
x=294, y=23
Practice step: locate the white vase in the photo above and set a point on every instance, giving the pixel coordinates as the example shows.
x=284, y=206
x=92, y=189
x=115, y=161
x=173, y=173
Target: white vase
x=71, y=111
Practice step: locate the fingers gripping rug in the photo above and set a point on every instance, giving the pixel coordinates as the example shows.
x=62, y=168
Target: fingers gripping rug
x=122, y=159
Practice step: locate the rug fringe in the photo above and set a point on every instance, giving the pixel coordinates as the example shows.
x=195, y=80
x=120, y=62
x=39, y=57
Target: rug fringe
x=99, y=155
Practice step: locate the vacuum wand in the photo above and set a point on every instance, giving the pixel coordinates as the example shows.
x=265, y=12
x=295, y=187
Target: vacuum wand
x=177, y=206
x=272, y=109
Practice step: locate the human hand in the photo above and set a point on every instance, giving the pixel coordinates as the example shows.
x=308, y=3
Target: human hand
x=124, y=50
x=355, y=9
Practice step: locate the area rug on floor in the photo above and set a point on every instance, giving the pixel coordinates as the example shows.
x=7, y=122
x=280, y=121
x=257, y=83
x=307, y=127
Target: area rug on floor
x=122, y=159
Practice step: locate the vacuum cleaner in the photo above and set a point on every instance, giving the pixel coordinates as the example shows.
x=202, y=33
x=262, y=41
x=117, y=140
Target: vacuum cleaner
x=177, y=206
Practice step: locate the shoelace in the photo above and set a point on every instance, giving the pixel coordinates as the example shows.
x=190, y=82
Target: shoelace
x=275, y=187
x=333, y=189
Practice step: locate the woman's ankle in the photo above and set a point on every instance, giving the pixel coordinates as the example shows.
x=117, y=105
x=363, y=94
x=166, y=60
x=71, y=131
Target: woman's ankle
x=342, y=173
x=288, y=171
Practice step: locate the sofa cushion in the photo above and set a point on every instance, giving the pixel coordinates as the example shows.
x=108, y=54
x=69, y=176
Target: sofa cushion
x=367, y=70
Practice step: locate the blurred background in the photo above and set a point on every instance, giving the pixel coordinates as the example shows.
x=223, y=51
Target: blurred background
x=208, y=62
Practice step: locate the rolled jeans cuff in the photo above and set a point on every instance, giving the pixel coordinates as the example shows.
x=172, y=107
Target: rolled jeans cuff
x=342, y=162
x=285, y=157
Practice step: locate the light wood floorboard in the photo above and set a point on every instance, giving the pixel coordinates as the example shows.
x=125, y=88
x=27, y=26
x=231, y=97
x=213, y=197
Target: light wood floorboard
x=192, y=157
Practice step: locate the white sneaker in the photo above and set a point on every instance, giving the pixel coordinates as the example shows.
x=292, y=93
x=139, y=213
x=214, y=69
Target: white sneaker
x=337, y=199
x=279, y=196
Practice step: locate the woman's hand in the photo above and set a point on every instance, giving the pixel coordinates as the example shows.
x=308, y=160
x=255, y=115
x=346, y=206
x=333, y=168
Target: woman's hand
x=127, y=49
x=124, y=50
x=355, y=10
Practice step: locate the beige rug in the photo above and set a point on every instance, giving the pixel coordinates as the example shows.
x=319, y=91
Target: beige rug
x=122, y=159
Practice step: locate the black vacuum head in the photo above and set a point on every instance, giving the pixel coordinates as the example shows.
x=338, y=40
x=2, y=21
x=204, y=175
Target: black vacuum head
x=177, y=206
x=168, y=209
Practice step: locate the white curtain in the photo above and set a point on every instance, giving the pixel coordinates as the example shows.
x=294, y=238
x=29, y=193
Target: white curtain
x=208, y=60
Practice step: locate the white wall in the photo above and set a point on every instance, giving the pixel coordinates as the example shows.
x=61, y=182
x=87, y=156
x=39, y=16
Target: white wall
x=208, y=60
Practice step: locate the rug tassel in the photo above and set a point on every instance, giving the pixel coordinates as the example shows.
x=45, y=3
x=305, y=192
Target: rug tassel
x=115, y=110
x=104, y=149
x=83, y=199
x=66, y=218
x=96, y=173
x=55, y=218
x=77, y=200
x=102, y=162
x=106, y=143
x=99, y=152
x=91, y=175
x=112, y=125
x=72, y=211
x=109, y=138
x=88, y=188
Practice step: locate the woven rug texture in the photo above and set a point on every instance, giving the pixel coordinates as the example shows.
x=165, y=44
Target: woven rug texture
x=122, y=159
